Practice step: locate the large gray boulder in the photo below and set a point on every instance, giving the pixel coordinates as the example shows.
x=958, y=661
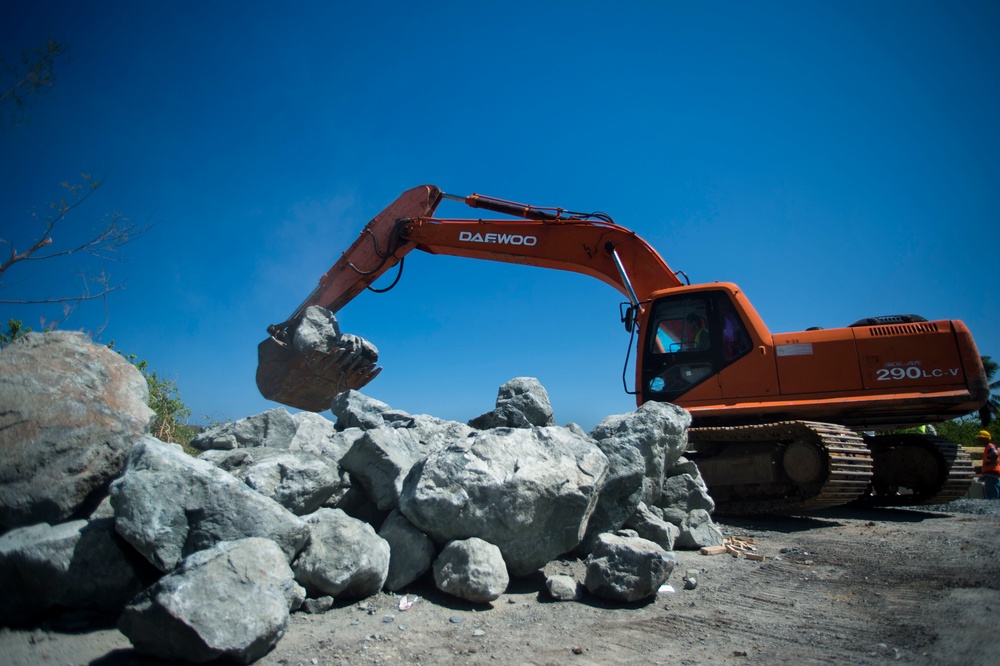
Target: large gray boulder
x=521, y=402
x=563, y=588
x=318, y=435
x=411, y=552
x=686, y=493
x=507, y=416
x=344, y=557
x=624, y=567
x=648, y=523
x=471, y=569
x=621, y=492
x=685, y=502
x=697, y=531
x=379, y=460
x=318, y=330
x=301, y=482
x=528, y=396
x=429, y=433
x=74, y=565
x=658, y=430
x=274, y=428
x=229, y=602
x=69, y=412
x=354, y=409
x=529, y=491
x=169, y=505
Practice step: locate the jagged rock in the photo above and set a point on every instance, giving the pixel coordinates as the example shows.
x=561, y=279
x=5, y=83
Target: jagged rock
x=425, y=433
x=626, y=568
x=229, y=602
x=411, y=552
x=658, y=430
x=380, y=460
x=354, y=409
x=563, y=588
x=621, y=491
x=69, y=412
x=683, y=491
x=698, y=531
x=74, y=565
x=317, y=331
x=274, y=428
x=344, y=557
x=318, y=435
x=685, y=502
x=530, y=491
x=429, y=433
x=506, y=416
x=317, y=606
x=523, y=396
x=169, y=505
x=471, y=569
x=301, y=482
x=686, y=466
x=650, y=525
x=674, y=515
x=529, y=397
x=381, y=456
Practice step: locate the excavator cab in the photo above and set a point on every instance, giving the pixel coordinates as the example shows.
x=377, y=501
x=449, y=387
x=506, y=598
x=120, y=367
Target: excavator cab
x=691, y=337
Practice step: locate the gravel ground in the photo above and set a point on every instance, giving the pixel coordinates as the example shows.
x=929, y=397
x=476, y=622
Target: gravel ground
x=842, y=586
x=977, y=507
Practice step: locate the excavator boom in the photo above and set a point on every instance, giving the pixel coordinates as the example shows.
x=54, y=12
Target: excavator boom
x=590, y=244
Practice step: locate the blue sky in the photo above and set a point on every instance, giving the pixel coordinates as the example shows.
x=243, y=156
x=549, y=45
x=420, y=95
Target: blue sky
x=837, y=160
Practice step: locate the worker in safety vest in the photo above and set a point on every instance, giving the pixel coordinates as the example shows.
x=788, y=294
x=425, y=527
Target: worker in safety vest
x=991, y=465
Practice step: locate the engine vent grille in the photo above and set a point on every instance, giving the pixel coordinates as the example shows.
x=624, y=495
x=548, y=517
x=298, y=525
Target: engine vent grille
x=903, y=329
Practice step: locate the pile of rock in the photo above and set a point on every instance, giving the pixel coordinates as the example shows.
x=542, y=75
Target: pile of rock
x=282, y=512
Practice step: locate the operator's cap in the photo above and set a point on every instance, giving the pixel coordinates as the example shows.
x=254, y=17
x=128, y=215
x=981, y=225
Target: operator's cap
x=984, y=434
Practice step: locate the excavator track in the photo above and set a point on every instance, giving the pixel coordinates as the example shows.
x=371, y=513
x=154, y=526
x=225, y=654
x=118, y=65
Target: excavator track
x=913, y=469
x=784, y=467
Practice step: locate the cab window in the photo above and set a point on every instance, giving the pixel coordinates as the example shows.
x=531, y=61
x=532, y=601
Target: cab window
x=681, y=326
x=735, y=341
x=692, y=338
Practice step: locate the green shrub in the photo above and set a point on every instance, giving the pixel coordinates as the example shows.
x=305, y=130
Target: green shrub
x=170, y=423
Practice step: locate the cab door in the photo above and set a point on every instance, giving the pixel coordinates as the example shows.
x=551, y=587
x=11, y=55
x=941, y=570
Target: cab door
x=682, y=349
x=699, y=348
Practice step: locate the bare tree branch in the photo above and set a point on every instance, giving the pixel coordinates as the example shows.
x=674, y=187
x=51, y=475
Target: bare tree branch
x=58, y=237
x=67, y=299
x=116, y=232
x=28, y=78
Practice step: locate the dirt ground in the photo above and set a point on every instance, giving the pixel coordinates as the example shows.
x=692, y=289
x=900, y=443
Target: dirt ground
x=910, y=586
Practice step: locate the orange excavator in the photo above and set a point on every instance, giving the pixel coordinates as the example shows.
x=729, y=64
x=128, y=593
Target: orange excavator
x=780, y=422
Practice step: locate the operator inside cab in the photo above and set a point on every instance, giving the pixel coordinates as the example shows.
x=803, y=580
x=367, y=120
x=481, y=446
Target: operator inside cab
x=694, y=337
x=695, y=333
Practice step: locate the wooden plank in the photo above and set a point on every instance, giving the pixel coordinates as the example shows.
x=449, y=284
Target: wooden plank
x=712, y=550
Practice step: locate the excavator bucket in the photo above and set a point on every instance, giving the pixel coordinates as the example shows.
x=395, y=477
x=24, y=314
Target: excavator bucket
x=307, y=372
x=309, y=380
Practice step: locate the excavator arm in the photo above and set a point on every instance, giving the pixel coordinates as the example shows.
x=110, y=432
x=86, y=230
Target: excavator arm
x=590, y=244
